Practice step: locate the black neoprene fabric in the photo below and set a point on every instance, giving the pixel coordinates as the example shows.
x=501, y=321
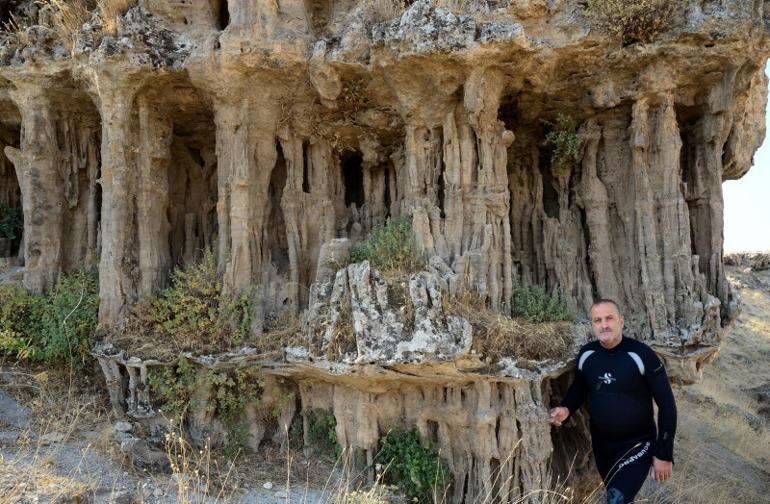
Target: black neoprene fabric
x=620, y=385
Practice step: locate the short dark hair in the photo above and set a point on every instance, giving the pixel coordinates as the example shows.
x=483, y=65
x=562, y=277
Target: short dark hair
x=607, y=301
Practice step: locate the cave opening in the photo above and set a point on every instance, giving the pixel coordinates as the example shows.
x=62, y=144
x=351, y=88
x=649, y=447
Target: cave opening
x=11, y=215
x=353, y=178
x=223, y=15
x=550, y=196
x=275, y=231
x=192, y=183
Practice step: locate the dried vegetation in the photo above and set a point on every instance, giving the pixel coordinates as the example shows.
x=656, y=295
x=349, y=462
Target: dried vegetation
x=496, y=336
x=634, y=21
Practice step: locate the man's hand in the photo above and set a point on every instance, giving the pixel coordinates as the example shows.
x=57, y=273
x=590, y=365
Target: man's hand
x=559, y=415
x=662, y=469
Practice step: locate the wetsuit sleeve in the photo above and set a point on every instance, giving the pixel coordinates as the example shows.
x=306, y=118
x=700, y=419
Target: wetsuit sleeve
x=577, y=392
x=657, y=381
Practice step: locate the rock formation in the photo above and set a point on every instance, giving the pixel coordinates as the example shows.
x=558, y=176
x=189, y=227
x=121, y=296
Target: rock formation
x=266, y=130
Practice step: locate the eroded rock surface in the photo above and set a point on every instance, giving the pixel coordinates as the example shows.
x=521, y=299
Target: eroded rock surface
x=266, y=131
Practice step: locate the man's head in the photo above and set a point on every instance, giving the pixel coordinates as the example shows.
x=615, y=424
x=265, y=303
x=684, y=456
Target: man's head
x=607, y=322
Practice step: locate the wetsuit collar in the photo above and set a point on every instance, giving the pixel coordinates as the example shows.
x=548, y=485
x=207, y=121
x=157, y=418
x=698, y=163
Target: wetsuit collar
x=616, y=347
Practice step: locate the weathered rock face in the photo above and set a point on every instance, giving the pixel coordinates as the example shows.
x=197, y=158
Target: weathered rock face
x=267, y=130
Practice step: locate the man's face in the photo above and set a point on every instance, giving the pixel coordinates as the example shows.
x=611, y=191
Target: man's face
x=607, y=323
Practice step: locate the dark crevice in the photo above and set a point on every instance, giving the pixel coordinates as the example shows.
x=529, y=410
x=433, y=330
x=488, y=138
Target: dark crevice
x=550, y=196
x=353, y=178
x=223, y=17
x=441, y=192
x=276, y=229
x=305, y=168
x=10, y=199
x=432, y=428
x=587, y=239
x=387, y=197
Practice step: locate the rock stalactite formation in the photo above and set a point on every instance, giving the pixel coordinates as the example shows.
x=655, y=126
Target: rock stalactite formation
x=277, y=134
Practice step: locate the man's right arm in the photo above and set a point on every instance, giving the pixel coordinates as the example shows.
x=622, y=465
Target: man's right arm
x=576, y=395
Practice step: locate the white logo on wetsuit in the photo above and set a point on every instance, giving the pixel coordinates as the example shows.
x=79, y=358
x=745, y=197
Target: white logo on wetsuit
x=607, y=378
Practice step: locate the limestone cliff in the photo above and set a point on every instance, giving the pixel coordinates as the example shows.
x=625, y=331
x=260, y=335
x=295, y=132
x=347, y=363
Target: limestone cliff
x=264, y=130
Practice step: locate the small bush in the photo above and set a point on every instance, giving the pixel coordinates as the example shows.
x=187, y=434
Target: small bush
x=633, y=20
x=193, y=312
x=417, y=470
x=565, y=140
x=173, y=388
x=57, y=328
x=533, y=303
x=233, y=391
x=390, y=248
x=323, y=432
x=11, y=222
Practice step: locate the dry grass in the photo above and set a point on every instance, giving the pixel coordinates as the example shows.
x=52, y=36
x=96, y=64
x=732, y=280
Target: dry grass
x=721, y=457
x=62, y=408
x=69, y=17
x=497, y=336
x=20, y=478
x=379, y=11
x=111, y=10
x=343, y=338
x=16, y=29
x=198, y=476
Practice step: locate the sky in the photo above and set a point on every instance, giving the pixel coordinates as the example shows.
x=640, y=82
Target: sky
x=747, y=203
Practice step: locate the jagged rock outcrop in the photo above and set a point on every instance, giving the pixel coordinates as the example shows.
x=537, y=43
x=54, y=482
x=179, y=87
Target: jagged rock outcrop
x=267, y=130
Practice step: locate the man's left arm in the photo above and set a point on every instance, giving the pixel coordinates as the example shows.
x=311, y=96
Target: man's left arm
x=657, y=381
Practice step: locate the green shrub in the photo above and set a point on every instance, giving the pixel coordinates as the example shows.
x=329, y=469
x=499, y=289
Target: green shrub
x=564, y=138
x=634, y=20
x=232, y=391
x=536, y=305
x=54, y=328
x=194, y=312
x=11, y=222
x=323, y=432
x=390, y=248
x=174, y=387
x=416, y=469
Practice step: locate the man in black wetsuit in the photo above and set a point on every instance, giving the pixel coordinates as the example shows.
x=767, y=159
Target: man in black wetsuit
x=620, y=377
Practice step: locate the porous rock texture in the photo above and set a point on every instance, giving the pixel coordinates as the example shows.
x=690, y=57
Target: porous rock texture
x=268, y=130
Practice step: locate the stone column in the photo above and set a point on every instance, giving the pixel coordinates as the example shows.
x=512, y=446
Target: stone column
x=117, y=280
x=246, y=151
x=152, y=199
x=37, y=169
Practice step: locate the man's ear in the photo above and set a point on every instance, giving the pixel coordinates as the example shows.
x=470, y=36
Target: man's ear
x=622, y=321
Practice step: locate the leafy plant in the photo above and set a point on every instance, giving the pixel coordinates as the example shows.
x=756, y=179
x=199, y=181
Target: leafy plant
x=53, y=328
x=194, y=311
x=390, y=248
x=564, y=138
x=232, y=391
x=416, y=469
x=174, y=386
x=323, y=432
x=536, y=305
x=10, y=222
x=633, y=20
